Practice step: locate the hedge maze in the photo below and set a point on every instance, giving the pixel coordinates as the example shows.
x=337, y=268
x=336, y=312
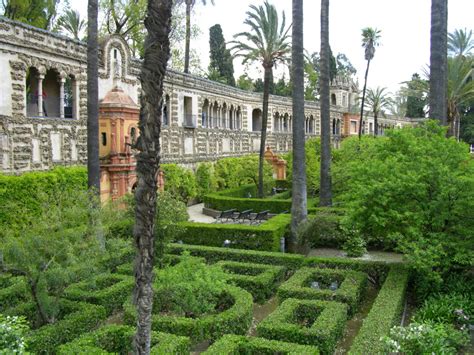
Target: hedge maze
x=309, y=319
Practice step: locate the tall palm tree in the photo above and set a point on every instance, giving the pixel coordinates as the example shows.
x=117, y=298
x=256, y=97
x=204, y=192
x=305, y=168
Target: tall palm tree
x=378, y=100
x=460, y=42
x=299, y=196
x=325, y=190
x=267, y=43
x=438, y=60
x=189, y=7
x=72, y=23
x=156, y=56
x=93, y=163
x=370, y=40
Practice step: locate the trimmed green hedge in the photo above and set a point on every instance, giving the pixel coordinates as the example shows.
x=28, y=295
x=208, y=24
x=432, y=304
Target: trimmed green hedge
x=79, y=317
x=13, y=292
x=259, y=279
x=25, y=190
x=384, y=314
x=108, y=290
x=214, y=254
x=235, y=320
x=352, y=285
x=237, y=344
x=118, y=339
x=265, y=236
x=309, y=322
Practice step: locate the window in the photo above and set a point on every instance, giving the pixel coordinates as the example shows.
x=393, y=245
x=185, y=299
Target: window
x=353, y=127
x=104, y=138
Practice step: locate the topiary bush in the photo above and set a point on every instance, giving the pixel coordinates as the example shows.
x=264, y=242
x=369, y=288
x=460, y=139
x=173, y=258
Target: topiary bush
x=237, y=344
x=310, y=322
x=260, y=280
x=350, y=286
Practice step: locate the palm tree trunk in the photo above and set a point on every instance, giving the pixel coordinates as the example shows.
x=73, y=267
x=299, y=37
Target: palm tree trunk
x=439, y=61
x=325, y=191
x=188, y=36
x=93, y=163
x=376, y=122
x=361, y=119
x=299, y=196
x=263, y=136
x=157, y=53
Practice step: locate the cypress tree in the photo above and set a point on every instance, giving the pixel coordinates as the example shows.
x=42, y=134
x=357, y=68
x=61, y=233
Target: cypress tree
x=220, y=57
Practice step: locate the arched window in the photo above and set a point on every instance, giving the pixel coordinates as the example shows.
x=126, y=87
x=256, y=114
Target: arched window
x=256, y=120
x=205, y=114
x=333, y=99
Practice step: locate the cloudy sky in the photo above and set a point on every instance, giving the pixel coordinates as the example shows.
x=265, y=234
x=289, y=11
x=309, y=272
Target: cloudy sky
x=405, y=26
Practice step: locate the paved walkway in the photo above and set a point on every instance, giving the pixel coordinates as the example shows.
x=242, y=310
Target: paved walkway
x=196, y=215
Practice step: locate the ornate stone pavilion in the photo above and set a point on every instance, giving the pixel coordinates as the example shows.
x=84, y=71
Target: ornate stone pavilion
x=43, y=109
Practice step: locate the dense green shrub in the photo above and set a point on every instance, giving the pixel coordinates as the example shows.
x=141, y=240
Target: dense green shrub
x=425, y=339
x=355, y=245
x=452, y=308
x=265, y=236
x=259, y=279
x=322, y=230
x=384, y=314
x=108, y=290
x=118, y=339
x=22, y=197
x=351, y=286
x=234, y=318
x=237, y=344
x=310, y=322
x=75, y=318
x=206, y=180
x=234, y=172
x=12, y=334
x=179, y=182
x=414, y=188
x=14, y=291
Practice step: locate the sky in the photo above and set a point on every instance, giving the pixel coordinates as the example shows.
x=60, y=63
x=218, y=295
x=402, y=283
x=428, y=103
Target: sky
x=405, y=36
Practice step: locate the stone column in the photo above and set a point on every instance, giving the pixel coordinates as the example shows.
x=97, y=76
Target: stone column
x=62, y=80
x=40, y=95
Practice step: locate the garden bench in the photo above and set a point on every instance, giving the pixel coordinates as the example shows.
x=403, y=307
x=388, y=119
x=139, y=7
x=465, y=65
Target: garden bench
x=259, y=217
x=225, y=215
x=242, y=216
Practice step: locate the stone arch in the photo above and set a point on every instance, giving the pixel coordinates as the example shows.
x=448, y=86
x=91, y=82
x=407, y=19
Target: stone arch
x=256, y=120
x=116, y=56
x=276, y=121
x=286, y=122
x=333, y=99
x=205, y=113
x=166, y=110
x=215, y=113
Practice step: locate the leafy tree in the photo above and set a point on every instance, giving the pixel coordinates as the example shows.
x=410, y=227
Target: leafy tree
x=311, y=80
x=467, y=126
x=93, y=163
x=58, y=248
x=221, y=59
x=344, y=66
x=401, y=190
x=315, y=59
x=245, y=82
x=179, y=182
x=460, y=42
x=206, y=180
x=325, y=190
x=37, y=13
x=283, y=88
x=416, y=99
x=438, y=61
x=299, y=211
x=267, y=43
x=378, y=100
x=72, y=24
x=156, y=56
x=234, y=172
x=370, y=40
x=398, y=105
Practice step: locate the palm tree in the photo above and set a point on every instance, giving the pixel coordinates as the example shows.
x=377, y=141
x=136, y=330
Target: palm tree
x=298, y=206
x=460, y=42
x=370, y=40
x=189, y=7
x=71, y=23
x=378, y=100
x=438, y=60
x=156, y=56
x=268, y=43
x=93, y=164
x=325, y=190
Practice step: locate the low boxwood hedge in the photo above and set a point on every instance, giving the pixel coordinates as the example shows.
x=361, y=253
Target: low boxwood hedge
x=237, y=344
x=235, y=320
x=259, y=279
x=351, y=286
x=384, y=314
x=214, y=254
x=168, y=260
x=118, y=339
x=78, y=318
x=108, y=290
x=265, y=236
x=311, y=322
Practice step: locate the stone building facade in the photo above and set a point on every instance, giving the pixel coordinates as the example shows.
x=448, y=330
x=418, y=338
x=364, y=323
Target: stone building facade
x=43, y=105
